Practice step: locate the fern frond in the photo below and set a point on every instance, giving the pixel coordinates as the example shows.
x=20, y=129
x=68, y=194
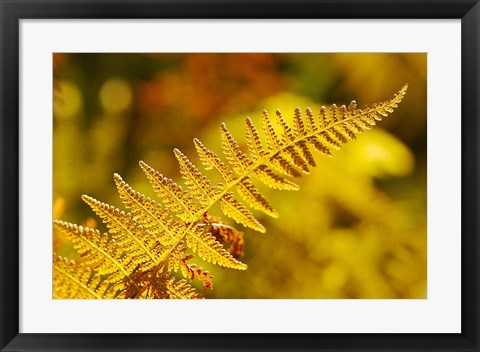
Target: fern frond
x=178, y=260
x=287, y=134
x=181, y=290
x=272, y=180
x=294, y=157
x=138, y=242
x=150, y=214
x=315, y=142
x=324, y=119
x=174, y=197
x=290, y=154
x=151, y=283
x=78, y=281
x=238, y=212
x=237, y=159
x=226, y=234
x=306, y=154
x=251, y=195
x=273, y=142
x=198, y=184
x=99, y=251
x=253, y=140
x=194, y=270
x=298, y=126
x=211, y=161
x=245, y=188
x=209, y=249
x=284, y=166
x=310, y=125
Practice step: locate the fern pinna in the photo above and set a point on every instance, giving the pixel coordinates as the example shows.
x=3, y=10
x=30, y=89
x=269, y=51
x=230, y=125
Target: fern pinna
x=144, y=247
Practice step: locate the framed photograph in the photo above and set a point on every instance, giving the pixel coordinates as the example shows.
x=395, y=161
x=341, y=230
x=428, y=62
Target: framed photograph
x=200, y=175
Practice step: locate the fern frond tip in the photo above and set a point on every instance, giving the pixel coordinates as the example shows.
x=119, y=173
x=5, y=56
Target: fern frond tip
x=87, y=199
x=145, y=167
x=401, y=93
x=117, y=178
x=178, y=152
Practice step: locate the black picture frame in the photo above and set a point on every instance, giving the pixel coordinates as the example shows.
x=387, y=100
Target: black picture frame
x=12, y=11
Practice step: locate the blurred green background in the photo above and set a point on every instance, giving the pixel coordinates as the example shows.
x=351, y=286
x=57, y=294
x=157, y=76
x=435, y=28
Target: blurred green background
x=356, y=228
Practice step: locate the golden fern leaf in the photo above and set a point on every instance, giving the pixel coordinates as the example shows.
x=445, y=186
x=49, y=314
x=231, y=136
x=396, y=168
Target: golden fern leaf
x=178, y=260
x=194, y=270
x=198, y=184
x=296, y=159
x=245, y=188
x=79, y=282
x=324, y=119
x=272, y=180
x=289, y=154
x=237, y=159
x=298, y=126
x=201, y=187
x=273, y=142
x=287, y=134
x=181, y=290
x=331, y=132
x=150, y=214
x=310, y=125
x=208, y=248
x=253, y=140
x=151, y=283
x=251, y=195
x=306, y=153
x=238, y=212
x=226, y=234
x=144, y=248
x=174, y=197
x=315, y=142
x=99, y=251
x=211, y=161
x=283, y=165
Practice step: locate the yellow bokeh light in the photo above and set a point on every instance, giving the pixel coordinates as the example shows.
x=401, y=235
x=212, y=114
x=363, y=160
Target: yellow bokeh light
x=115, y=95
